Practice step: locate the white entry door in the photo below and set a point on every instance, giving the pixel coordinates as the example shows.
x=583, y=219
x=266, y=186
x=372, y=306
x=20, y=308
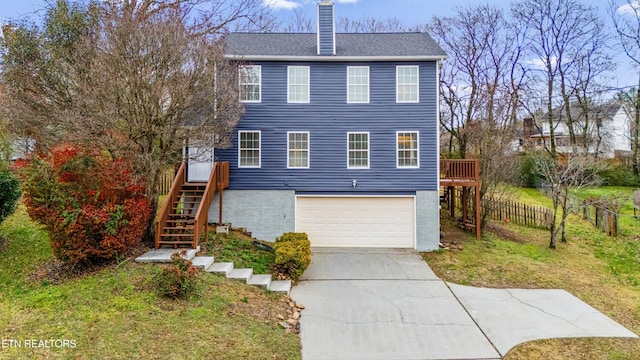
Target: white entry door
x=351, y=221
x=199, y=163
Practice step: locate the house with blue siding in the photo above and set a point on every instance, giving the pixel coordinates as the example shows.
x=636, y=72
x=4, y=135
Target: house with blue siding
x=339, y=138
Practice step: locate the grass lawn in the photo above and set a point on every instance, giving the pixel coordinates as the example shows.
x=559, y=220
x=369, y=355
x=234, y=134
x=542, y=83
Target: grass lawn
x=603, y=271
x=114, y=312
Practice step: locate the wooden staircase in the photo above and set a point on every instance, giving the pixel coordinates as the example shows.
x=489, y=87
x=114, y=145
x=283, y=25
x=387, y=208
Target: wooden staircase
x=184, y=215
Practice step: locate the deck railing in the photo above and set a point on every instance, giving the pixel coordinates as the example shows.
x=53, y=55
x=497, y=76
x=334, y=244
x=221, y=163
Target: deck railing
x=218, y=180
x=465, y=170
x=172, y=196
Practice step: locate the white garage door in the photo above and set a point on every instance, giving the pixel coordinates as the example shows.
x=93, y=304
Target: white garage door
x=357, y=221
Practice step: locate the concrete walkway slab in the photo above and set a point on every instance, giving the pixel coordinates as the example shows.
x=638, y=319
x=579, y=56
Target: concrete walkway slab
x=386, y=319
x=367, y=264
x=388, y=304
x=512, y=316
x=164, y=255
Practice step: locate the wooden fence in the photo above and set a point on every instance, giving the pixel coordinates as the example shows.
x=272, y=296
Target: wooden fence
x=604, y=219
x=520, y=214
x=165, y=181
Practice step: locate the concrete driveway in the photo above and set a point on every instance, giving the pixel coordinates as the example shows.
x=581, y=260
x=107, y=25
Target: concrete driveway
x=388, y=304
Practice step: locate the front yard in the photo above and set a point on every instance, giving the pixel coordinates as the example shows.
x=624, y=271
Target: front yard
x=114, y=313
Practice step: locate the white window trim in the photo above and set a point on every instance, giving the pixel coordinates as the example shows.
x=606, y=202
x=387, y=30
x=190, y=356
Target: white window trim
x=368, y=151
x=417, y=149
x=259, y=67
x=308, y=150
x=417, y=85
x=308, y=100
x=368, y=85
x=259, y=149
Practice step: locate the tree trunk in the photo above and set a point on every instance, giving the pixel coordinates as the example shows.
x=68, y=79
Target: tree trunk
x=552, y=137
x=553, y=231
x=636, y=132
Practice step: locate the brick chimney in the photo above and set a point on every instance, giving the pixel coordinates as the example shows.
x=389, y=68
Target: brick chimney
x=326, y=28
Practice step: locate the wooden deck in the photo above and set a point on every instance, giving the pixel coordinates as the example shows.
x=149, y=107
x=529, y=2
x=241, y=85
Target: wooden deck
x=463, y=173
x=459, y=172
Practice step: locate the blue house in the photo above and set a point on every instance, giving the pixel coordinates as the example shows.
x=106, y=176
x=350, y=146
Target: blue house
x=339, y=138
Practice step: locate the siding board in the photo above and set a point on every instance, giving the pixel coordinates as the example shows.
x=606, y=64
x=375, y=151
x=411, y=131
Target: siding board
x=328, y=118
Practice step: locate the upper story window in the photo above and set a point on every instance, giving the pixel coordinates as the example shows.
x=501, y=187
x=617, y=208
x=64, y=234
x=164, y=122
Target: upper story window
x=407, y=149
x=357, y=84
x=358, y=150
x=250, y=83
x=298, y=150
x=249, y=149
x=407, y=84
x=298, y=84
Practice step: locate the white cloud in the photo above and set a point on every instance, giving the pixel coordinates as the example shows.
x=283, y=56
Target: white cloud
x=629, y=8
x=281, y=4
x=541, y=63
x=347, y=1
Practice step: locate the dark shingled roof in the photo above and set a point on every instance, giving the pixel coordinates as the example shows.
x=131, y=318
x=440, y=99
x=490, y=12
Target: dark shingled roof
x=387, y=45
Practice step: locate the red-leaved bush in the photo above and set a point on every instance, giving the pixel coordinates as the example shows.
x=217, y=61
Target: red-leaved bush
x=92, y=206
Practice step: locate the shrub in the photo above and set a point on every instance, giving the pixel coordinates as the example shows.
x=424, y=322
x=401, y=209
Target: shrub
x=617, y=175
x=293, y=254
x=177, y=280
x=9, y=193
x=528, y=176
x=92, y=206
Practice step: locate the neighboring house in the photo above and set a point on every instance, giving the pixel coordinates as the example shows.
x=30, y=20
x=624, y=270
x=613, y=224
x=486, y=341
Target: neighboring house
x=339, y=138
x=608, y=130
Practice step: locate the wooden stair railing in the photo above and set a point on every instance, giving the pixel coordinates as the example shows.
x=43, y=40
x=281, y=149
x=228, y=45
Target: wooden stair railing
x=218, y=181
x=184, y=215
x=172, y=198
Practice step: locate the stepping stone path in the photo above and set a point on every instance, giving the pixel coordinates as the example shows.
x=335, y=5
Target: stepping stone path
x=209, y=265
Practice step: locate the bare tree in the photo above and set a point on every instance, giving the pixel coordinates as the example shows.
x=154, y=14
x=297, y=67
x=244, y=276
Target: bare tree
x=298, y=21
x=561, y=178
x=369, y=25
x=567, y=41
x=136, y=78
x=626, y=20
x=480, y=86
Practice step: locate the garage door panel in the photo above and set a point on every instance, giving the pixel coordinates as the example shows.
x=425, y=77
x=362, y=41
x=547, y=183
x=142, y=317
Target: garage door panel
x=357, y=221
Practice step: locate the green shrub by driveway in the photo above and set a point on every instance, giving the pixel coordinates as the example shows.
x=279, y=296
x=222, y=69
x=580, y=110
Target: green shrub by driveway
x=293, y=254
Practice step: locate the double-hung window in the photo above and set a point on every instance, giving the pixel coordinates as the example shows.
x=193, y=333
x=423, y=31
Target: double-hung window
x=407, y=84
x=357, y=84
x=298, y=84
x=407, y=149
x=358, y=150
x=249, y=149
x=298, y=150
x=250, y=78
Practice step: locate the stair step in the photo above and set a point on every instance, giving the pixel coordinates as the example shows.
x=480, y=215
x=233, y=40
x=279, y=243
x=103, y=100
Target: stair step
x=260, y=280
x=280, y=286
x=183, y=217
x=188, y=227
x=224, y=267
x=176, y=235
x=202, y=262
x=164, y=255
x=189, y=221
x=171, y=242
x=244, y=274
